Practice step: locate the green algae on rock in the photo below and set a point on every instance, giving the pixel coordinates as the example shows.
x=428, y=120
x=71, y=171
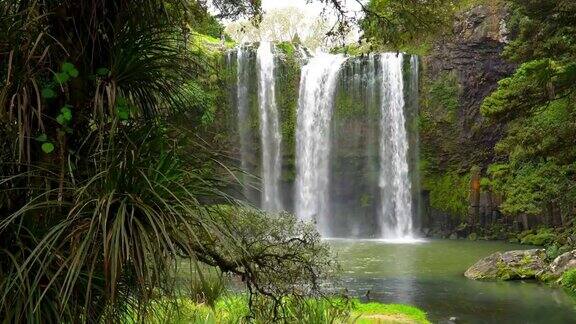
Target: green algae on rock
x=511, y=265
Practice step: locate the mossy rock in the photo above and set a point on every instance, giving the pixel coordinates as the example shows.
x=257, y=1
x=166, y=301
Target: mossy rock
x=557, y=268
x=565, y=248
x=511, y=265
x=473, y=236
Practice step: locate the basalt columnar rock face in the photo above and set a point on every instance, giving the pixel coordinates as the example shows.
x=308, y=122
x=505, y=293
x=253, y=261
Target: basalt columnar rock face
x=511, y=265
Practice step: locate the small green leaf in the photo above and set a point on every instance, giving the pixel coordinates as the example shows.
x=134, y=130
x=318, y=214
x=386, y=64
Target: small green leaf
x=123, y=108
x=121, y=102
x=123, y=112
x=48, y=93
x=42, y=138
x=66, y=113
x=103, y=72
x=60, y=119
x=48, y=147
x=61, y=78
x=73, y=73
x=67, y=67
x=70, y=69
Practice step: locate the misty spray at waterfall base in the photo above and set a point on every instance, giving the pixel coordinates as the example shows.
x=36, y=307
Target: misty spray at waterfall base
x=340, y=147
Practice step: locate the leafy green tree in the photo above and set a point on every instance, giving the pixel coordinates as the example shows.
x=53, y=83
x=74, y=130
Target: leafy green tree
x=395, y=24
x=282, y=25
x=538, y=104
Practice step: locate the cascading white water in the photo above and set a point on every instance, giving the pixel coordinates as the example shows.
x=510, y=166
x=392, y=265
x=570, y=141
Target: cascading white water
x=329, y=185
x=242, y=81
x=316, y=96
x=269, y=129
x=415, y=106
x=394, y=182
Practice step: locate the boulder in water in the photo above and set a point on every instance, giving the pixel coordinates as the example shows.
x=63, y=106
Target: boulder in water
x=511, y=265
x=561, y=264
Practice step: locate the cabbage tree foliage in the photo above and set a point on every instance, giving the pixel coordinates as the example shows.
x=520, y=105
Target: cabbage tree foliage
x=100, y=193
x=538, y=105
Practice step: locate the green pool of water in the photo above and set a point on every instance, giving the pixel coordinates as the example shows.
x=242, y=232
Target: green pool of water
x=430, y=275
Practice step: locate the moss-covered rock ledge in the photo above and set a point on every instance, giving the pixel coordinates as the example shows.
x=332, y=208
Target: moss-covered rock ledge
x=526, y=264
x=511, y=265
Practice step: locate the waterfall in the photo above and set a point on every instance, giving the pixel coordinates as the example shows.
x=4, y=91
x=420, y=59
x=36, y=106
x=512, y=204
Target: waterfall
x=316, y=96
x=242, y=82
x=269, y=129
x=356, y=141
x=415, y=142
x=394, y=182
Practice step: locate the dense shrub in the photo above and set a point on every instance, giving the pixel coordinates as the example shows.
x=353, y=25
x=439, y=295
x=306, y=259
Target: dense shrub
x=568, y=280
x=541, y=238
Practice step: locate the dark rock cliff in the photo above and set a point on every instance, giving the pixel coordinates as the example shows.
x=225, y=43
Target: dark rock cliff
x=473, y=54
x=461, y=69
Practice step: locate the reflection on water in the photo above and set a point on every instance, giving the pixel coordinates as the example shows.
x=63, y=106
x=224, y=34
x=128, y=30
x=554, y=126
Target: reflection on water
x=407, y=284
x=430, y=275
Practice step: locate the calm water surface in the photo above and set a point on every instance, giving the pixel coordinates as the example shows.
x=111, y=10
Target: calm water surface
x=430, y=275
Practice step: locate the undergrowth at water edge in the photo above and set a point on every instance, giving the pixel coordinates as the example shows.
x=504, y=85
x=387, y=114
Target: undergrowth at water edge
x=234, y=309
x=568, y=281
